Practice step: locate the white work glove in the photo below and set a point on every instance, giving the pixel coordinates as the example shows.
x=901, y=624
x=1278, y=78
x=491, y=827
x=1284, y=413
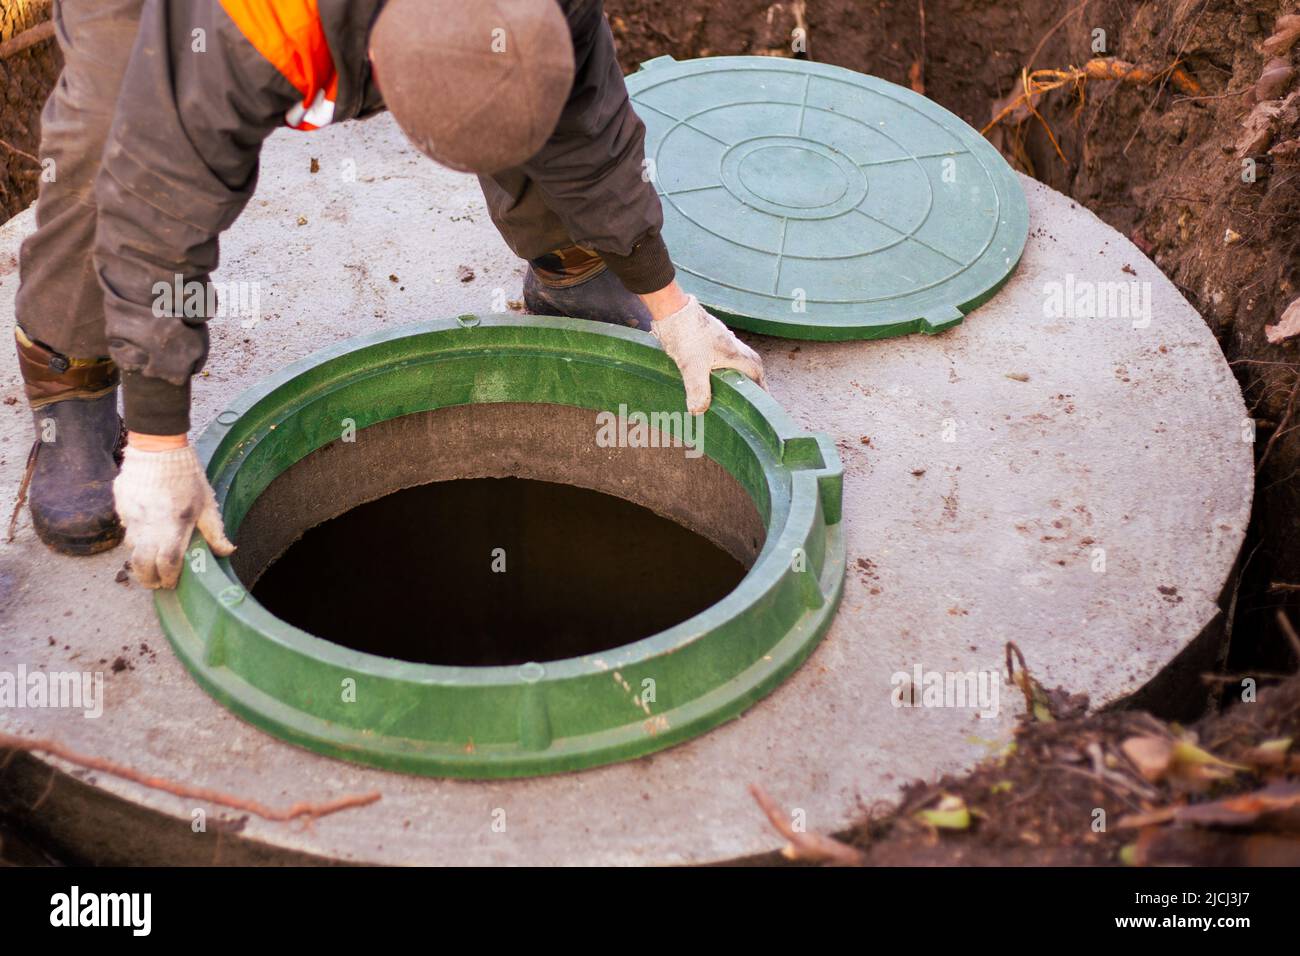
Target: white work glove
x=160, y=497
x=699, y=343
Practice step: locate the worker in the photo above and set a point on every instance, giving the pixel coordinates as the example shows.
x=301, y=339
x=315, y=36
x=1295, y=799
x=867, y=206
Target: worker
x=152, y=136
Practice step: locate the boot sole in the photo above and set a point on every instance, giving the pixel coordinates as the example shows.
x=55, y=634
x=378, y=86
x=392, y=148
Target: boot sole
x=80, y=547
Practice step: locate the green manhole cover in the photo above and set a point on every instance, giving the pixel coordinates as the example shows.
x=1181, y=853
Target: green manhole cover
x=809, y=201
x=534, y=717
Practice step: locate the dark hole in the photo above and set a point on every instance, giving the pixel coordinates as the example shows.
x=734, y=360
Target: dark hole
x=411, y=575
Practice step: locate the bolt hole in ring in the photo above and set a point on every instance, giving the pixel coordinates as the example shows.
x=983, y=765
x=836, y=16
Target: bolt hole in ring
x=507, y=400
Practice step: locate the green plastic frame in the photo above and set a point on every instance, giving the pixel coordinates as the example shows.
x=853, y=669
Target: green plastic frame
x=484, y=722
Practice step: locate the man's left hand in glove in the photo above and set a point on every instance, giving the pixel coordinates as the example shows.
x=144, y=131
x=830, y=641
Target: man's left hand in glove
x=161, y=495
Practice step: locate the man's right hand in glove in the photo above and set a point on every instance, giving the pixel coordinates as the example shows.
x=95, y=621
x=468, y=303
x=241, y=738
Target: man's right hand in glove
x=161, y=495
x=698, y=343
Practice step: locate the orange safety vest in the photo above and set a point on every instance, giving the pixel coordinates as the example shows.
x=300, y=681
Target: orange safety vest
x=290, y=35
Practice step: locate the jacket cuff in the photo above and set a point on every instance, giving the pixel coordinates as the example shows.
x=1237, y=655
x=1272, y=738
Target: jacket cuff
x=153, y=406
x=647, y=269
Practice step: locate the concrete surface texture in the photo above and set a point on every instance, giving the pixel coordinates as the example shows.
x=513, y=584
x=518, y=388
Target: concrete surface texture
x=1077, y=482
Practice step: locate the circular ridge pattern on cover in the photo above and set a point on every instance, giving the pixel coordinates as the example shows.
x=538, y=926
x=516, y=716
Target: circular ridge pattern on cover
x=808, y=201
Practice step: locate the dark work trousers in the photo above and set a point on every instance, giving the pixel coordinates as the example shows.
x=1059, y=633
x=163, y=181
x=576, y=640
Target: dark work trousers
x=59, y=302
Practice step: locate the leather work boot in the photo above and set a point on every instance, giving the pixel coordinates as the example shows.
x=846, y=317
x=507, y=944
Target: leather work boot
x=576, y=282
x=79, y=441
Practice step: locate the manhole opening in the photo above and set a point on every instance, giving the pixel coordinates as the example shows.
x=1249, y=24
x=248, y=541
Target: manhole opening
x=497, y=534
x=490, y=571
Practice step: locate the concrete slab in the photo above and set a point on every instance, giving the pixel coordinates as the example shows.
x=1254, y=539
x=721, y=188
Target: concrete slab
x=1076, y=484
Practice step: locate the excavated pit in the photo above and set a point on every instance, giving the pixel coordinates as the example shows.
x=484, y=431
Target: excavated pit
x=511, y=537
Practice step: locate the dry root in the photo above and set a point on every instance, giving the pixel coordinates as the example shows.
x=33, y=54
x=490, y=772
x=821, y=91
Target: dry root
x=1023, y=104
x=303, y=810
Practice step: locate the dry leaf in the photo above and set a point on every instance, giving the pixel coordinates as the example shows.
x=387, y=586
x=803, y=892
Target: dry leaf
x=916, y=77
x=1178, y=761
x=1265, y=119
x=1276, y=807
x=1270, y=753
x=950, y=813
x=1285, y=32
x=1257, y=127
x=1196, y=769
x=1287, y=327
x=1275, y=79
x=1151, y=755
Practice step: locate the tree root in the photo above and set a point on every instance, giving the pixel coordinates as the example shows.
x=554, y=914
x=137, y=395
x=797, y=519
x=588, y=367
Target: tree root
x=305, y=810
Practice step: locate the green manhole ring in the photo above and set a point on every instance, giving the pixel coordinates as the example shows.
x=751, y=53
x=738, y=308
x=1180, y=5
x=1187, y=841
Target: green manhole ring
x=512, y=720
x=808, y=201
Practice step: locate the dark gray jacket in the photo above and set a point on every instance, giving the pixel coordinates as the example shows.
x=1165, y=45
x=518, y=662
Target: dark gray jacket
x=182, y=159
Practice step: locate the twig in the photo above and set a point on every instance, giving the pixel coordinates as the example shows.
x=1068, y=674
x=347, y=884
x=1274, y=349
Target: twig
x=918, y=81
x=1288, y=630
x=805, y=847
x=1117, y=785
x=28, y=38
x=1216, y=96
x=1056, y=26
x=1029, y=105
x=1174, y=70
x=22, y=492
x=1285, y=479
x=1026, y=686
x=1098, y=758
x=1238, y=678
x=1136, y=821
x=1290, y=407
x=1230, y=616
x=20, y=152
x=310, y=811
x=799, y=8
